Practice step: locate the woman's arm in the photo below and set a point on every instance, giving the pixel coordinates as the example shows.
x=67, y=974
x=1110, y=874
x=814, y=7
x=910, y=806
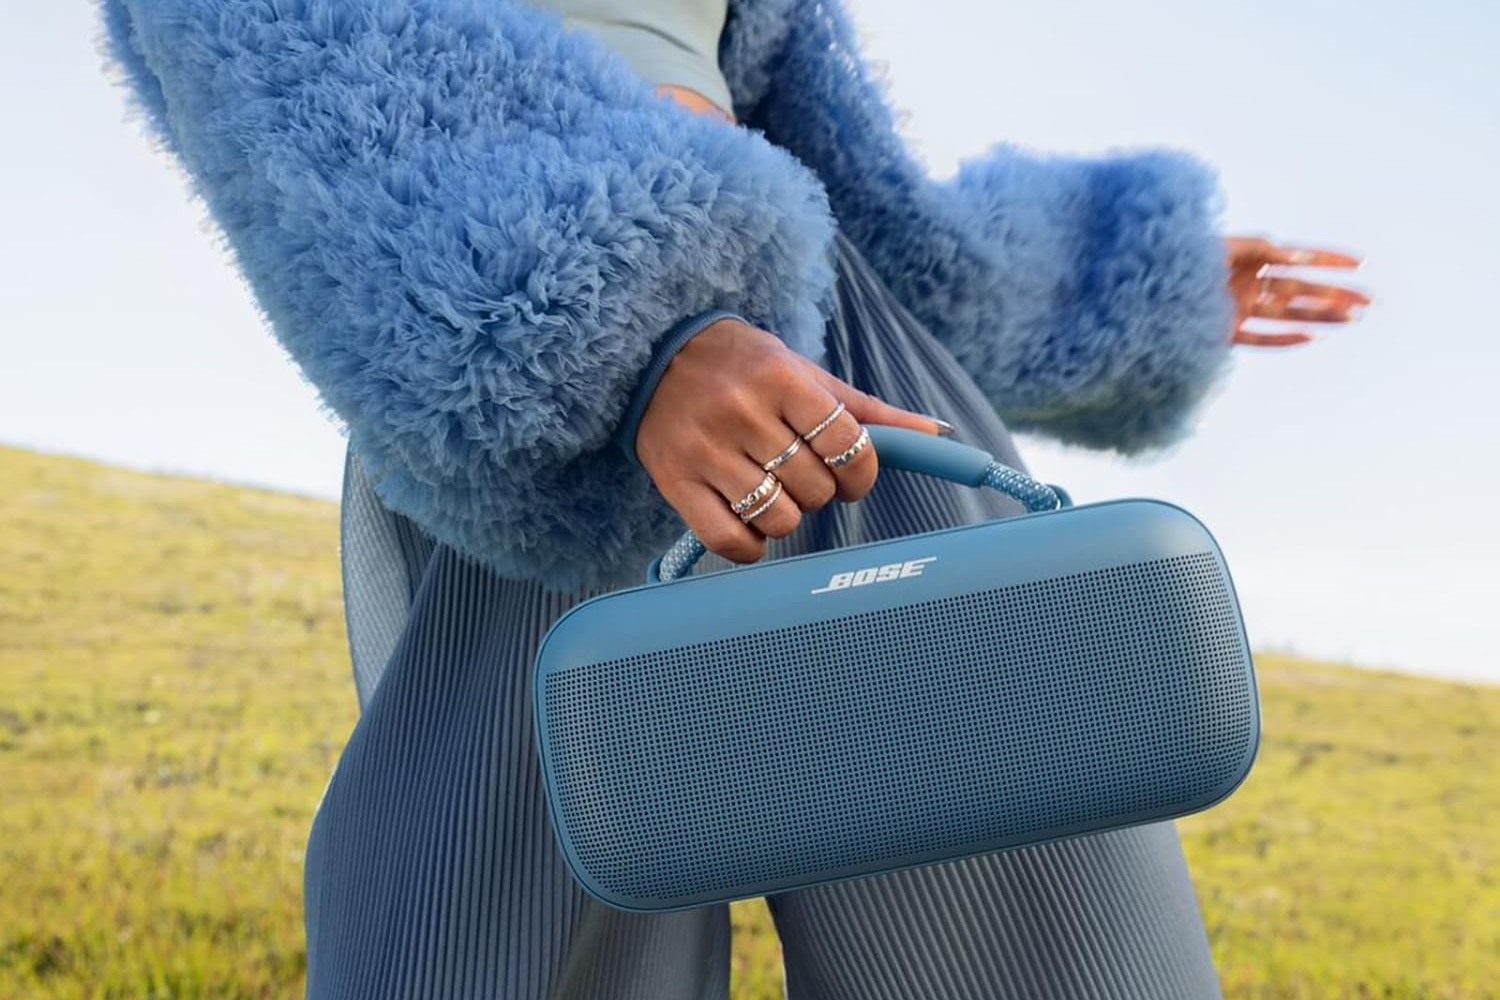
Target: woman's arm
x=1088, y=297
x=467, y=227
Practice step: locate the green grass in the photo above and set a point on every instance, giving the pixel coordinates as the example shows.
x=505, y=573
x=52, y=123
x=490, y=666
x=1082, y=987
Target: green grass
x=174, y=691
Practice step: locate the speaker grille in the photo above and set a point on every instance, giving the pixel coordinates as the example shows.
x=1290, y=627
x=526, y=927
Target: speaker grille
x=842, y=742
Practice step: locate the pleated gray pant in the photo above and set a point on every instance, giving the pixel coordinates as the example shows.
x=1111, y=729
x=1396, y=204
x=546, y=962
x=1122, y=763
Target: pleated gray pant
x=431, y=867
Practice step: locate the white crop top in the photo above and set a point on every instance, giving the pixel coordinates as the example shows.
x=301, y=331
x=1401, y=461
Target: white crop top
x=664, y=41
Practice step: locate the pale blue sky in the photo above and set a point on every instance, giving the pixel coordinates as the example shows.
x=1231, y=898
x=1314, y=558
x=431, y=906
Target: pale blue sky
x=1351, y=483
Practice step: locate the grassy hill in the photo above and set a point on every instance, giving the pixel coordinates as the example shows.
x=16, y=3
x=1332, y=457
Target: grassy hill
x=175, y=689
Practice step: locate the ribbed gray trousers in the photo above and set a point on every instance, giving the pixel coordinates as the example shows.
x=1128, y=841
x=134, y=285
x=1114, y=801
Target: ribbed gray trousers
x=431, y=868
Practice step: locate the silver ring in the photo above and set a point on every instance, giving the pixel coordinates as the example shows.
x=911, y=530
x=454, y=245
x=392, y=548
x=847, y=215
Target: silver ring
x=786, y=453
x=823, y=424
x=757, y=512
x=748, y=500
x=843, y=457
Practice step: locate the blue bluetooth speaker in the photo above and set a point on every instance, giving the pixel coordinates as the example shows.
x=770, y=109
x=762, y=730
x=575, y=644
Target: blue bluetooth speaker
x=844, y=713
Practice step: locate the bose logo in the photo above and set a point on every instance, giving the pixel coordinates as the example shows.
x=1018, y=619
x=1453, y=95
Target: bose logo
x=875, y=574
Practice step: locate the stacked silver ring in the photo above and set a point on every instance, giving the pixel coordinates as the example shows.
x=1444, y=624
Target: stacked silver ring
x=759, y=500
x=786, y=453
x=823, y=424
x=749, y=500
x=843, y=457
x=751, y=515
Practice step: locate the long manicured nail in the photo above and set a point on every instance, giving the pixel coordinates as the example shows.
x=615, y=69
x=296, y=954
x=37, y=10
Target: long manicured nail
x=944, y=428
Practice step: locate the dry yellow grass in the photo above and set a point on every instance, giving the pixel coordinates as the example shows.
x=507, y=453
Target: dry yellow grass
x=174, y=690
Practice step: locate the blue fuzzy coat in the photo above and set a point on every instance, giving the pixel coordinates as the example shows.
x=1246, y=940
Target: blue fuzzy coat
x=468, y=227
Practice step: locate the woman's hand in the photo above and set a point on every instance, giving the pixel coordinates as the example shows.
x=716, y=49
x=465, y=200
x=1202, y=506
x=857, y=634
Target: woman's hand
x=733, y=398
x=1262, y=292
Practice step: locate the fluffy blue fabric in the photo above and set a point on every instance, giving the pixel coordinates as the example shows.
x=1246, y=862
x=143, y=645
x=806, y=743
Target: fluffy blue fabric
x=468, y=227
x=1087, y=296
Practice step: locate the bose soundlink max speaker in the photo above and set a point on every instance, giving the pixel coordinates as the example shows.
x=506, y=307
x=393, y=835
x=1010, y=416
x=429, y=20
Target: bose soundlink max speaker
x=844, y=713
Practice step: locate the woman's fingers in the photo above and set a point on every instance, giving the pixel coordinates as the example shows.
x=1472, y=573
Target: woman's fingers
x=737, y=478
x=1244, y=250
x=1294, y=299
x=772, y=436
x=1273, y=308
x=1290, y=299
x=828, y=408
x=808, y=481
x=709, y=517
x=734, y=398
x=1271, y=339
x=867, y=409
x=1310, y=257
x=1292, y=288
x=1262, y=292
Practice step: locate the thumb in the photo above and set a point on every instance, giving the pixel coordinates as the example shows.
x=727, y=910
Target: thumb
x=868, y=409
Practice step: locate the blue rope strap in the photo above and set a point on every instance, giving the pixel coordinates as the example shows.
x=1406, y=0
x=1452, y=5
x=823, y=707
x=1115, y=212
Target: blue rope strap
x=677, y=560
x=1029, y=493
x=1032, y=494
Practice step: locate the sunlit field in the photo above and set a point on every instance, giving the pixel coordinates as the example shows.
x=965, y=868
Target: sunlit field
x=175, y=688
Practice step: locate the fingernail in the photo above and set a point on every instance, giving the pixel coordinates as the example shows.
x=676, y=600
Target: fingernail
x=944, y=428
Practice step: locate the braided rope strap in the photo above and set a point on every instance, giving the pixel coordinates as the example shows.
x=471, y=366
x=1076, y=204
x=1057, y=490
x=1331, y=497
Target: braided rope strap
x=680, y=557
x=1034, y=495
x=1030, y=493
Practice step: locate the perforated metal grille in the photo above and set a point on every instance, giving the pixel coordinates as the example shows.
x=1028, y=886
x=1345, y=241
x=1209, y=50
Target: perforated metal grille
x=842, y=742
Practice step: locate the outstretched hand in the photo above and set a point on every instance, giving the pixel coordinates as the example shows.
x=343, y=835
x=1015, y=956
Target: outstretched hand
x=1261, y=291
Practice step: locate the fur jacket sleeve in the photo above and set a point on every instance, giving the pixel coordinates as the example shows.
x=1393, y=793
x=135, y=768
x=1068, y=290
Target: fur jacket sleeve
x=468, y=227
x=1088, y=297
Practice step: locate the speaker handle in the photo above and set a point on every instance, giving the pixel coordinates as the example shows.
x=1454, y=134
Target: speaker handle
x=915, y=451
